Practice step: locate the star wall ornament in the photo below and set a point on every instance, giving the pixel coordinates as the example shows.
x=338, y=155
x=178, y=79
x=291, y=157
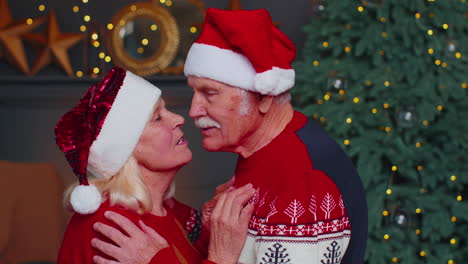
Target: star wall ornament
x=52, y=45
x=11, y=46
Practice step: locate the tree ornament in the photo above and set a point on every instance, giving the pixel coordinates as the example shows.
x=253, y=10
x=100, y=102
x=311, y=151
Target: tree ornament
x=451, y=47
x=406, y=116
x=336, y=82
x=400, y=218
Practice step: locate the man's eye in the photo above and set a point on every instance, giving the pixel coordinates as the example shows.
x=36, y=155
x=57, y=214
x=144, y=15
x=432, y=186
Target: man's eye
x=210, y=92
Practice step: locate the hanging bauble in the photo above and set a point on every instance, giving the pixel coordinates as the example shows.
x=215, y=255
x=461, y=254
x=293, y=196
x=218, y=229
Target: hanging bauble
x=319, y=9
x=451, y=47
x=335, y=83
x=406, y=116
x=401, y=218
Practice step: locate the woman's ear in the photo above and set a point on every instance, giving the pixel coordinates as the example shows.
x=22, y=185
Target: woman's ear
x=265, y=103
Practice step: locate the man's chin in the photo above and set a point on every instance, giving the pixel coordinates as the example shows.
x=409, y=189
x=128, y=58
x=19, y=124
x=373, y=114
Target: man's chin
x=208, y=146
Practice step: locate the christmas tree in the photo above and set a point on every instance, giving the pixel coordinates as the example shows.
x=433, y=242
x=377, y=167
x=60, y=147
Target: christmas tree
x=388, y=80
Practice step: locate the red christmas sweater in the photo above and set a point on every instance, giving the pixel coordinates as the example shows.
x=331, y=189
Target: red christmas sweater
x=299, y=215
x=76, y=246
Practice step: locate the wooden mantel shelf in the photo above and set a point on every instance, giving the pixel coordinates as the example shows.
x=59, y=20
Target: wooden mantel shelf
x=61, y=90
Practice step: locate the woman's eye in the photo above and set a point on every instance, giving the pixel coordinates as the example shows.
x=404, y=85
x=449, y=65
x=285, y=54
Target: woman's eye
x=157, y=118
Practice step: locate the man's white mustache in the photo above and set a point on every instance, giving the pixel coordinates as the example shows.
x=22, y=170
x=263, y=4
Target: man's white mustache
x=205, y=122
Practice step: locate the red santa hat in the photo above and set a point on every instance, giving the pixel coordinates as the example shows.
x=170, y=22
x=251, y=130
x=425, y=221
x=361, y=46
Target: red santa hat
x=100, y=133
x=243, y=49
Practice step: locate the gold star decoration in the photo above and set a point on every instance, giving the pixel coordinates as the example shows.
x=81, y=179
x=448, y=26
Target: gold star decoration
x=10, y=37
x=52, y=45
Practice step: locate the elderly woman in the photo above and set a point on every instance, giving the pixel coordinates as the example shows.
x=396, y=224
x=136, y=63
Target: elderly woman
x=122, y=132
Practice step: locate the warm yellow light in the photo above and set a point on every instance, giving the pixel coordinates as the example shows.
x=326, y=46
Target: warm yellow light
x=108, y=59
x=341, y=92
x=326, y=97
x=382, y=52
x=453, y=241
x=122, y=22
x=316, y=116
x=349, y=120
x=464, y=85
x=418, y=231
x=387, y=83
x=144, y=41
x=348, y=26
x=453, y=178
x=110, y=26
x=382, y=19
x=94, y=36
x=96, y=70
x=450, y=261
x=422, y=190
x=394, y=168
x=87, y=18
x=386, y=106
x=133, y=8
x=347, y=49
x=82, y=28
x=417, y=15
x=316, y=63
x=322, y=118
x=356, y=100
x=445, y=26
x=395, y=259
x=85, y=1
x=459, y=198
x=422, y=253
x=76, y=9
x=162, y=1
x=430, y=32
x=29, y=21
x=430, y=51
x=193, y=29
x=320, y=101
x=389, y=191
x=386, y=237
x=425, y=122
x=102, y=55
x=418, y=210
x=453, y=219
x=41, y=7
x=440, y=108
x=169, y=3
x=385, y=213
x=140, y=50
x=374, y=110
x=360, y=8
x=418, y=144
x=346, y=142
x=388, y=129
x=420, y=168
x=96, y=44
x=458, y=55
x=154, y=27
x=384, y=34
x=325, y=44
x=368, y=82
x=79, y=74
x=444, y=64
x=437, y=62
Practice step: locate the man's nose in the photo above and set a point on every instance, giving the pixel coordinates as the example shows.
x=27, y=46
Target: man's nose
x=197, y=108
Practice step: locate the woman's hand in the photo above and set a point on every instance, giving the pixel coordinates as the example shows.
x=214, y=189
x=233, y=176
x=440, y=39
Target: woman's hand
x=208, y=207
x=229, y=222
x=139, y=247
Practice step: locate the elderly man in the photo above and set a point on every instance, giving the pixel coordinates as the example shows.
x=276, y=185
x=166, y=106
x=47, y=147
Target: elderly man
x=310, y=205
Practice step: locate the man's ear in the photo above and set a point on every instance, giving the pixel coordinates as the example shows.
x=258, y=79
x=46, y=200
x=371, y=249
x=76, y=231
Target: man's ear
x=265, y=103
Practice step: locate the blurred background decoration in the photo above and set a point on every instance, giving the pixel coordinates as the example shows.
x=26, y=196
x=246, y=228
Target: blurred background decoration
x=388, y=80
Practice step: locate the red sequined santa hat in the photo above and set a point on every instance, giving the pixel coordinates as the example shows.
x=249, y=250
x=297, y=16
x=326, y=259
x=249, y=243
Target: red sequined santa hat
x=100, y=133
x=243, y=49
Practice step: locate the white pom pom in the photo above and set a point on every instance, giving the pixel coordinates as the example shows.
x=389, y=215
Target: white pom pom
x=85, y=199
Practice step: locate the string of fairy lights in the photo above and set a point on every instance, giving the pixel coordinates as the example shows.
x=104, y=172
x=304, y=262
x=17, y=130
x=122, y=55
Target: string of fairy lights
x=451, y=48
